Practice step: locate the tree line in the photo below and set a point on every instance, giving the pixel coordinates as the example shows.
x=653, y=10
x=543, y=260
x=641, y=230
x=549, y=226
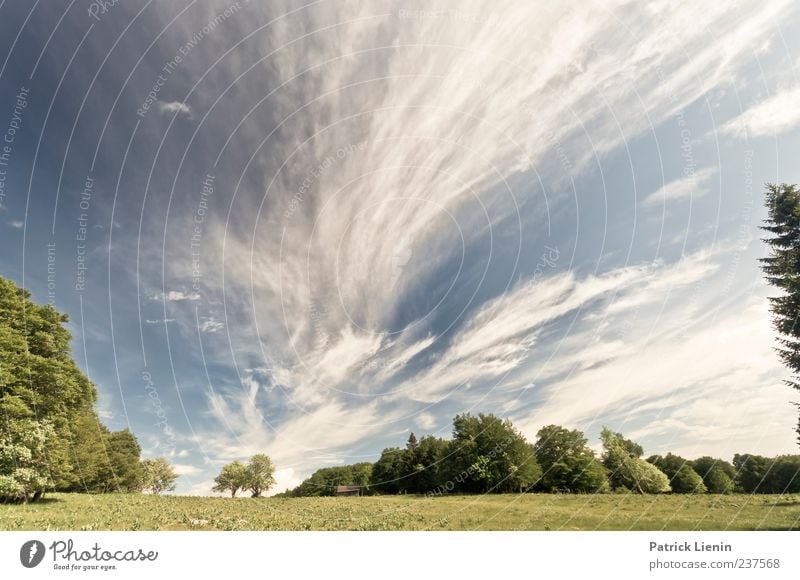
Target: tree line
x=51, y=438
x=489, y=455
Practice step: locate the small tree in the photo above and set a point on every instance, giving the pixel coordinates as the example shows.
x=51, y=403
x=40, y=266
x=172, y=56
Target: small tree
x=627, y=468
x=260, y=475
x=232, y=478
x=158, y=476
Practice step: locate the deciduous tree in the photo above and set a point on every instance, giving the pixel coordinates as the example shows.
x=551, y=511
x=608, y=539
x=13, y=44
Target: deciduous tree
x=717, y=474
x=567, y=462
x=260, y=475
x=158, y=476
x=628, y=470
x=231, y=479
x=682, y=476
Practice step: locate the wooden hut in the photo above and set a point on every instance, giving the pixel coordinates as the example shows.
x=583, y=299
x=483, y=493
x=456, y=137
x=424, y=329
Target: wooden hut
x=348, y=490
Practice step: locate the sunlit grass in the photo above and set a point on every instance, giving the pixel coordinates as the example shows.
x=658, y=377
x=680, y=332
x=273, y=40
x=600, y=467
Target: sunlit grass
x=496, y=512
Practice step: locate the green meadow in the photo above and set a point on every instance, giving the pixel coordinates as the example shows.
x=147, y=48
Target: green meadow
x=63, y=511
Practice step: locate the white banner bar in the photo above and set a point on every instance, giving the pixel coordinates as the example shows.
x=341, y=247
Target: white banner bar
x=399, y=555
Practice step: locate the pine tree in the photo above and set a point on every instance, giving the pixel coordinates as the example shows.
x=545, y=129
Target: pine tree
x=782, y=270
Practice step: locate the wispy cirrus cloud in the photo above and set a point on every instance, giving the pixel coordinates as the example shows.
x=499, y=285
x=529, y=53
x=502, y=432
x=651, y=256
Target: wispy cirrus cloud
x=776, y=114
x=175, y=296
x=376, y=161
x=691, y=186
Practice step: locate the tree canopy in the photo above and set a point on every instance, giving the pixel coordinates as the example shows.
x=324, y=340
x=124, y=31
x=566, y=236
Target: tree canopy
x=682, y=476
x=158, y=476
x=627, y=469
x=231, y=479
x=50, y=435
x=260, y=475
x=718, y=475
x=567, y=462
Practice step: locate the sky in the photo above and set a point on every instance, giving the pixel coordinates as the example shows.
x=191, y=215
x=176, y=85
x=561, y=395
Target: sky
x=309, y=229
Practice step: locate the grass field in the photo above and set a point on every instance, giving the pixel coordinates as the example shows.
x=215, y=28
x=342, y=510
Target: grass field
x=497, y=512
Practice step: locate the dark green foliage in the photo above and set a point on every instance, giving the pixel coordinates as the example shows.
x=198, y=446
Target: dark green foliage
x=103, y=461
x=490, y=455
x=424, y=464
x=717, y=481
x=41, y=385
x=567, y=462
x=323, y=482
x=486, y=455
x=123, y=454
x=388, y=471
x=758, y=474
x=786, y=474
x=751, y=472
x=718, y=475
x=782, y=270
x=682, y=476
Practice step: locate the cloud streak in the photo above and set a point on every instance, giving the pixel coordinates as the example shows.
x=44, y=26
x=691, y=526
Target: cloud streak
x=379, y=167
x=692, y=186
x=774, y=115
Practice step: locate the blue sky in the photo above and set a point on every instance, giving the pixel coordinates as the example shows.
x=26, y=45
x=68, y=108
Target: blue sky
x=307, y=230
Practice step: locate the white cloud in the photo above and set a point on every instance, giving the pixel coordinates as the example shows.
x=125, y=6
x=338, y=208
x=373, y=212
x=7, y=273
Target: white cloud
x=425, y=421
x=173, y=107
x=301, y=440
x=499, y=338
x=16, y=224
x=175, y=296
x=389, y=162
x=202, y=489
x=285, y=479
x=159, y=321
x=457, y=123
x=211, y=324
x=690, y=373
x=691, y=186
x=184, y=469
x=774, y=115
